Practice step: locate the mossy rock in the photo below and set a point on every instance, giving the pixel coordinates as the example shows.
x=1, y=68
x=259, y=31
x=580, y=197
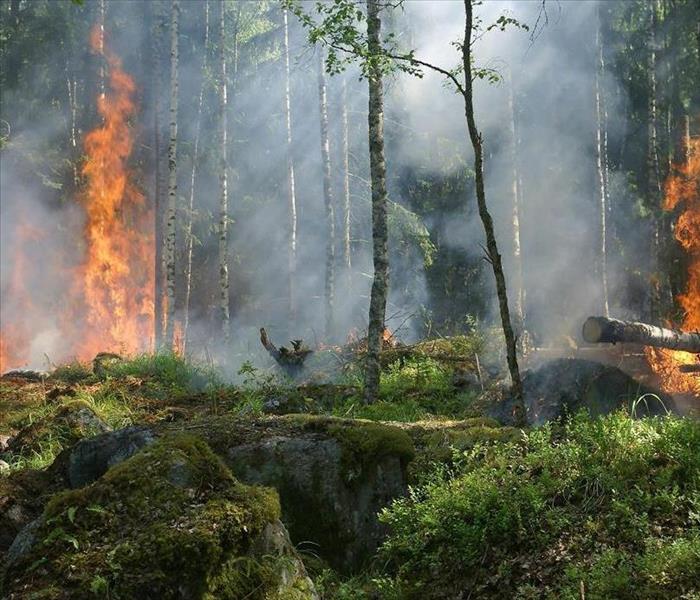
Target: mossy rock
x=333, y=475
x=70, y=423
x=170, y=522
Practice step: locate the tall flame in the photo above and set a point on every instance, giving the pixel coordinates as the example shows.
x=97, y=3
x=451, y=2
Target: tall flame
x=107, y=303
x=682, y=192
x=118, y=272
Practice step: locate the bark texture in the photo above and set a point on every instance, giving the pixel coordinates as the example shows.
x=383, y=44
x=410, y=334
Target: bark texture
x=603, y=330
x=347, y=259
x=519, y=290
x=291, y=191
x=491, y=245
x=172, y=177
x=189, y=239
x=329, y=283
x=601, y=164
x=159, y=270
x=380, y=283
x=223, y=178
x=653, y=172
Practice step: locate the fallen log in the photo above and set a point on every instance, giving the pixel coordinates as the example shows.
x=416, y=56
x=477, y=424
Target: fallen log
x=601, y=330
x=692, y=368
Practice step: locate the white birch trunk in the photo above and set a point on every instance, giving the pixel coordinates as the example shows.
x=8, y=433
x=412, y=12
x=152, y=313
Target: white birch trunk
x=189, y=239
x=223, y=179
x=329, y=287
x=291, y=193
x=172, y=178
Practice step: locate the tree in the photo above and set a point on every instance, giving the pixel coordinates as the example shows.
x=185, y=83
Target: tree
x=291, y=192
x=189, y=238
x=491, y=245
x=223, y=178
x=172, y=178
x=329, y=204
x=347, y=259
x=380, y=282
x=601, y=167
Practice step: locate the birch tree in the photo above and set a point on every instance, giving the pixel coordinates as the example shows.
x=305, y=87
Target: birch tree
x=652, y=166
x=157, y=34
x=223, y=178
x=189, y=238
x=601, y=162
x=380, y=251
x=329, y=281
x=291, y=192
x=347, y=259
x=172, y=177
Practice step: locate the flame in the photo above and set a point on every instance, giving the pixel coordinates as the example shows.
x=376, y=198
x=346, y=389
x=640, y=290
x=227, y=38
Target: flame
x=682, y=192
x=107, y=299
x=118, y=271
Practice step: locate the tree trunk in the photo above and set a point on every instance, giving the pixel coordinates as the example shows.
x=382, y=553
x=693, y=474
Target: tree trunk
x=158, y=313
x=653, y=174
x=515, y=184
x=172, y=180
x=380, y=283
x=601, y=161
x=291, y=192
x=491, y=245
x=601, y=330
x=223, y=179
x=347, y=260
x=329, y=287
x=189, y=239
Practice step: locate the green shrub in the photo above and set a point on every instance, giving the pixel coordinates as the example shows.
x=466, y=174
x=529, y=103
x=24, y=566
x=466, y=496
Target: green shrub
x=594, y=501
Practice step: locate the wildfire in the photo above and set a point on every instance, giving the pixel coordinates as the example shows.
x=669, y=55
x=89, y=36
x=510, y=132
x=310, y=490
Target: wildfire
x=106, y=301
x=118, y=272
x=682, y=191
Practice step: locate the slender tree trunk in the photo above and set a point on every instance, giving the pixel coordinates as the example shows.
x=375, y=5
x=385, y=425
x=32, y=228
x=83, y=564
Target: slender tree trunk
x=291, y=193
x=380, y=283
x=189, y=238
x=519, y=293
x=329, y=291
x=600, y=170
x=492, y=247
x=653, y=174
x=102, y=48
x=158, y=312
x=223, y=179
x=347, y=259
x=172, y=179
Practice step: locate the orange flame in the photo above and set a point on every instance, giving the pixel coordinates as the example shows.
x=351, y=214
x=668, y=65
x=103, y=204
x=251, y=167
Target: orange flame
x=682, y=191
x=111, y=292
x=118, y=271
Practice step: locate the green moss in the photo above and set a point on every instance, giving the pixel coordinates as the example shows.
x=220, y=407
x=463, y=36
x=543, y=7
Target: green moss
x=170, y=520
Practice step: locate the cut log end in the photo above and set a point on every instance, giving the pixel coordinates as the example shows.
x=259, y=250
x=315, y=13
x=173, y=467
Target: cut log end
x=597, y=330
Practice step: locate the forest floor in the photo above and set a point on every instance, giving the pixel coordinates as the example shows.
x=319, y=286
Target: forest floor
x=595, y=508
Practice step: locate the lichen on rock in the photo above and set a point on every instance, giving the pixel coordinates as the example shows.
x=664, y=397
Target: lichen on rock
x=170, y=522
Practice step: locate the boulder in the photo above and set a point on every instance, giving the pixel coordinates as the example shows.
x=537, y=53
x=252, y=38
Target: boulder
x=171, y=522
x=567, y=385
x=333, y=476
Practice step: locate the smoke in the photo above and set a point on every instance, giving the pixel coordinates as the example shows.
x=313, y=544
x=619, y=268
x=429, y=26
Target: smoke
x=552, y=78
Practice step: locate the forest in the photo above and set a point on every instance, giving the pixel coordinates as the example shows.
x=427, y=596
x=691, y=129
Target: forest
x=350, y=299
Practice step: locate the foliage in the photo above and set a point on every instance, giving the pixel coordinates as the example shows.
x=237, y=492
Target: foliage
x=592, y=501
x=171, y=518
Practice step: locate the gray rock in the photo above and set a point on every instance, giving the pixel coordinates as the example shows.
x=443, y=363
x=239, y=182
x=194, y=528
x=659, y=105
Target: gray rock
x=24, y=542
x=89, y=459
x=323, y=501
x=4, y=467
x=4, y=439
